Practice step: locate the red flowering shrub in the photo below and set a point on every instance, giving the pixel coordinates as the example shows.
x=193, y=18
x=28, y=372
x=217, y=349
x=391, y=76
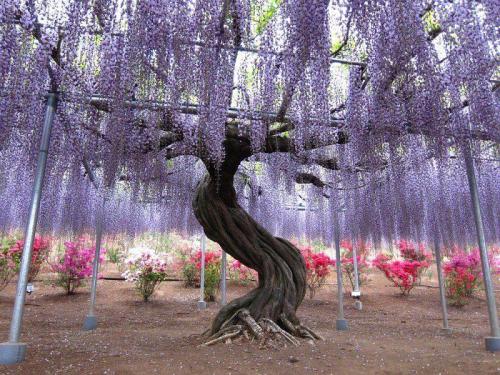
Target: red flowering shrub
x=41, y=247
x=463, y=274
x=409, y=251
x=404, y=274
x=241, y=274
x=318, y=268
x=191, y=272
x=348, y=263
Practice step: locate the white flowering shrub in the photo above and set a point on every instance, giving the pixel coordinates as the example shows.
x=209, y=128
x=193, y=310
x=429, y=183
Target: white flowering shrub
x=146, y=270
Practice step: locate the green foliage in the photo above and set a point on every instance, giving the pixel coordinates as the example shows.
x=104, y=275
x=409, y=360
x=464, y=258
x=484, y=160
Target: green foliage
x=7, y=265
x=147, y=283
x=212, y=278
x=114, y=255
x=337, y=48
x=319, y=246
x=98, y=38
x=190, y=275
x=258, y=168
x=6, y=243
x=431, y=24
x=264, y=16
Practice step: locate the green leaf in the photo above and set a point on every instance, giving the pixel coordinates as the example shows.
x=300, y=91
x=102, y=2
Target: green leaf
x=431, y=24
x=266, y=15
x=258, y=168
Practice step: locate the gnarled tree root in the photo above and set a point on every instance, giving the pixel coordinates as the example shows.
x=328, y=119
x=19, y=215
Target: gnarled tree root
x=265, y=331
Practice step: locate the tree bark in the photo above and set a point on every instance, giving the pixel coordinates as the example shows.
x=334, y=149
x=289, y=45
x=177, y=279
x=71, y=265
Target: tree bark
x=280, y=266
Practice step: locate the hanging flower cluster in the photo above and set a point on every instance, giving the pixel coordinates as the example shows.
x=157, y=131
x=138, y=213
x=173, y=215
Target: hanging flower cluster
x=74, y=266
x=404, y=274
x=318, y=267
x=41, y=248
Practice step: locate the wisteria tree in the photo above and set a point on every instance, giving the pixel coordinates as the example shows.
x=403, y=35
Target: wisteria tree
x=145, y=87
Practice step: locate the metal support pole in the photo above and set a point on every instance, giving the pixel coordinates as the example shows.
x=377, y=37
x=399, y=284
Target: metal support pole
x=223, y=286
x=492, y=342
x=201, y=303
x=442, y=294
x=341, y=323
x=90, y=322
x=13, y=351
x=356, y=293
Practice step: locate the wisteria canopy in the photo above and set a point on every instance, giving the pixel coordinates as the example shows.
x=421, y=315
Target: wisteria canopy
x=285, y=109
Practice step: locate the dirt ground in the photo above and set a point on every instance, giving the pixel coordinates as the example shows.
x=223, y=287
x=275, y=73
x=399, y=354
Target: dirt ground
x=391, y=335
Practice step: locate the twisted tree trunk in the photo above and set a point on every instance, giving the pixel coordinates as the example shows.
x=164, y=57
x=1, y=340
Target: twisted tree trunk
x=280, y=266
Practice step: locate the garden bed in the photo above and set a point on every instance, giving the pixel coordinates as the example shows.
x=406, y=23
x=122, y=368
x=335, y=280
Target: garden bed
x=391, y=335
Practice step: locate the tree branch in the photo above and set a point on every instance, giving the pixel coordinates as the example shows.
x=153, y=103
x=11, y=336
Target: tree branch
x=309, y=178
x=337, y=51
x=327, y=137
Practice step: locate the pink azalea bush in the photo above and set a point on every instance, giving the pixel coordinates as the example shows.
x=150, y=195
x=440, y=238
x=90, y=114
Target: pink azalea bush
x=241, y=274
x=347, y=262
x=74, y=266
x=463, y=274
x=318, y=267
x=405, y=273
x=146, y=270
x=41, y=248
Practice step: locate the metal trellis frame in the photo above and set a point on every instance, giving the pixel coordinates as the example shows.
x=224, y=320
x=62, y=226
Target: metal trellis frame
x=13, y=351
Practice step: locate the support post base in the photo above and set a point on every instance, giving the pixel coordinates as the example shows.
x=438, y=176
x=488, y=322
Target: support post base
x=358, y=305
x=12, y=353
x=446, y=331
x=341, y=325
x=492, y=344
x=90, y=323
x=202, y=305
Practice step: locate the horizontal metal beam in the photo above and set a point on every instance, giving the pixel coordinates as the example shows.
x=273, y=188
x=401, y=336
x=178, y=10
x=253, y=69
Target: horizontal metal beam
x=103, y=102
